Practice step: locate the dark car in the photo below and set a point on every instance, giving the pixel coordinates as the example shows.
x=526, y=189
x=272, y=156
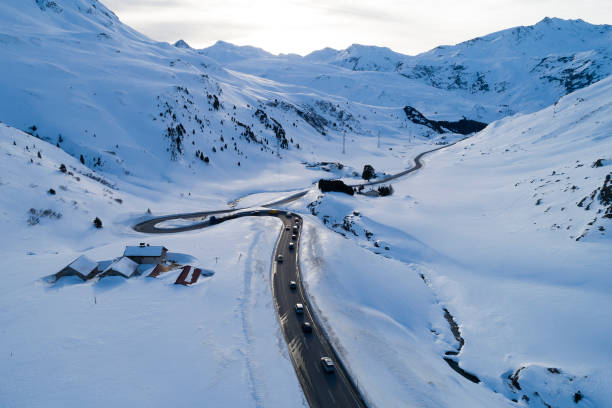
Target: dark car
x=307, y=327
x=328, y=364
x=292, y=285
x=294, y=236
x=299, y=308
x=291, y=246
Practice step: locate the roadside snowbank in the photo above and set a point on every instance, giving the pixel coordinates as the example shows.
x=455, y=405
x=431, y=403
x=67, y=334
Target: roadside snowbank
x=385, y=323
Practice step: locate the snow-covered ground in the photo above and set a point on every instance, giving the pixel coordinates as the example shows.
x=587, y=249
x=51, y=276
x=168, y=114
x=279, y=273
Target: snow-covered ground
x=505, y=233
x=495, y=227
x=386, y=323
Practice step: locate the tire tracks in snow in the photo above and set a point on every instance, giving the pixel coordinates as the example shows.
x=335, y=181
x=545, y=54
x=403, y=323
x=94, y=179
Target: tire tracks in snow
x=251, y=264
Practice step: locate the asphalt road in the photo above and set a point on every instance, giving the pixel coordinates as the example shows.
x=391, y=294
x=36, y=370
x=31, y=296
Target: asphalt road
x=321, y=389
x=417, y=165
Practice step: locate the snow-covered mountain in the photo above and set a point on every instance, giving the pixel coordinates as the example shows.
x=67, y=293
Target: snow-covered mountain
x=521, y=69
x=226, y=52
x=84, y=80
x=76, y=76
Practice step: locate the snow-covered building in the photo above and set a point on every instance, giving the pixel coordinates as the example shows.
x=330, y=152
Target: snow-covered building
x=82, y=267
x=123, y=266
x=146, y=254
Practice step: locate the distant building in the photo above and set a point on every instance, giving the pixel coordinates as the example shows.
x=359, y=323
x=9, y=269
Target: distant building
x=82, y=267
x=371, y=193
x=145, y=254
x=123, y=266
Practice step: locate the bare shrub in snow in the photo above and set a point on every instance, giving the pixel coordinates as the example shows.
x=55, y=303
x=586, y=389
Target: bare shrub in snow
x=35, y=215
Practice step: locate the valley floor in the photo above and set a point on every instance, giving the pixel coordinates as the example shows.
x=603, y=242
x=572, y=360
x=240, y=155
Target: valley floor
x=464, y=237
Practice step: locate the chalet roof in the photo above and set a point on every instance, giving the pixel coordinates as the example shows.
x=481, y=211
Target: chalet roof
x=123, y=265
x=144, y=250
x=83, y=265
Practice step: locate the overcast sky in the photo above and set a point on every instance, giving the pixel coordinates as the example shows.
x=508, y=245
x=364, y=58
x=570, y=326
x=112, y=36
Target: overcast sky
x=302, y=26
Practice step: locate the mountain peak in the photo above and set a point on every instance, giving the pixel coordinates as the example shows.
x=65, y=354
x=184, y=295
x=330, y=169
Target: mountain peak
x=226, y=52
x=182, y=44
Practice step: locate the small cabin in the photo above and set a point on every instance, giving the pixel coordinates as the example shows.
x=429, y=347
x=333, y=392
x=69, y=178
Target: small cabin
x=82, y=267
x=123, y=266
x=146, y=254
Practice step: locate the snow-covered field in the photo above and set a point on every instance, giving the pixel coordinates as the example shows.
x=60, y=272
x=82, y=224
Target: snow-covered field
x=145, y=341
x=505, y=234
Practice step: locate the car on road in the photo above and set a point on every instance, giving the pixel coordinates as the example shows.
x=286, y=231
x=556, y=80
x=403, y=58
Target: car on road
x=295, y=228
x=212, y=219
x=307, y=327
x=280, y=258
x=328, y=364
x=297, y=220
x=294, y=237
x=289, y=215
x=287, y=228
x=292, y=285
x=291, y=246
x=299, y=308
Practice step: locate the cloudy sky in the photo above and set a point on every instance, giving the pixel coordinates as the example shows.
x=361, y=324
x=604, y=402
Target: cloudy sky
x=302, y=26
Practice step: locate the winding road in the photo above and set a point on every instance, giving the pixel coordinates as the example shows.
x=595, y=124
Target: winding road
x=322, y=389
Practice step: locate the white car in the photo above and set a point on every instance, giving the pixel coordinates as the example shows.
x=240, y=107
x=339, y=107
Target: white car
x=299, y=308
x=328, y=364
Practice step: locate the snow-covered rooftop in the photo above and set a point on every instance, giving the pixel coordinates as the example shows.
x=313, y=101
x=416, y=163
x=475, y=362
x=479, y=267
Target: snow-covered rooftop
x=123, y=265
x=83, y=265
x=143, y=251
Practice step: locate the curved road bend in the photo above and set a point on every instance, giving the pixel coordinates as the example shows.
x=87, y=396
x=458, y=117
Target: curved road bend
x=417, y=165
x=320, y=388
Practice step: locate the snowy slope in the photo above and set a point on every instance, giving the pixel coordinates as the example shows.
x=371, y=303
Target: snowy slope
x=146, y=111
x=137, y=341
x=510, y=230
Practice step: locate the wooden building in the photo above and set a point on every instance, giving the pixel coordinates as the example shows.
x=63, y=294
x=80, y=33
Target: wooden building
x=123, y=266
x=82, y=267
x=145, y=254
